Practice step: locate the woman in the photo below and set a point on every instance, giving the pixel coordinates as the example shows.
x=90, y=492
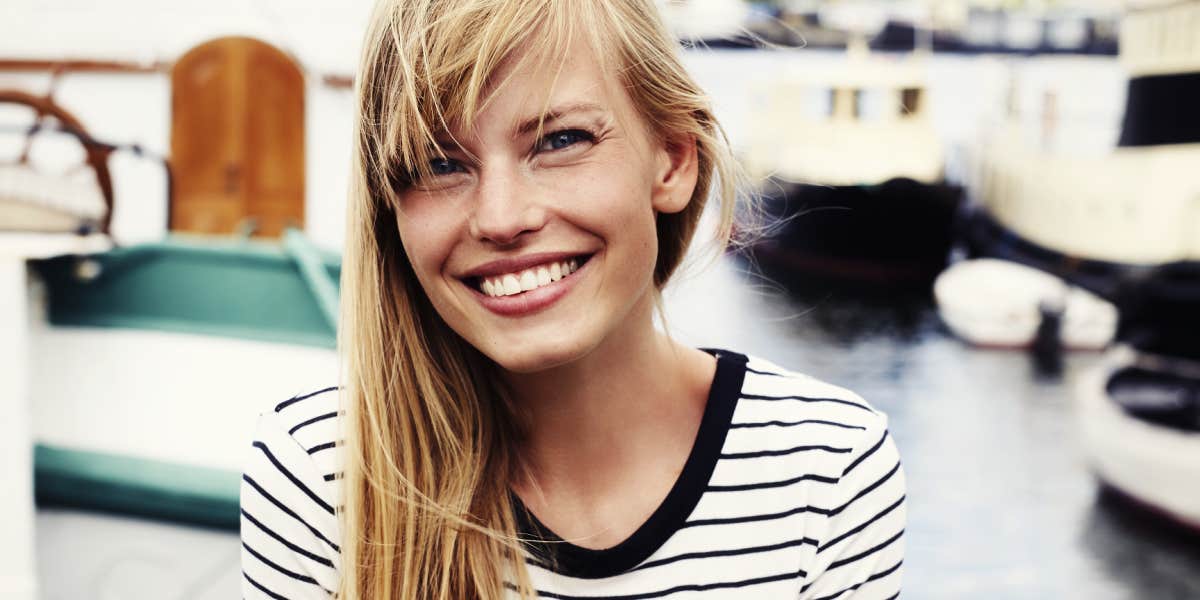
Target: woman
x=529, y=173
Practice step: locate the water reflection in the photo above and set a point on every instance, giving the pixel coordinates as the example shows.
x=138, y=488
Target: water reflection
x=1157, y=558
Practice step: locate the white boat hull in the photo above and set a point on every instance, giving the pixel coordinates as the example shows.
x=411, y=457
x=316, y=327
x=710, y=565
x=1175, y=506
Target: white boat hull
x=1156, y=466
x=995, y=303
x=179, y=398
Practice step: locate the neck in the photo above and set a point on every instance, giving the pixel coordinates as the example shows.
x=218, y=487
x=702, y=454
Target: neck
x=590, y=419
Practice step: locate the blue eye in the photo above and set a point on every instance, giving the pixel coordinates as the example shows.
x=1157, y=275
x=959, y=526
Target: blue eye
x=444, y=166
x=565, y=138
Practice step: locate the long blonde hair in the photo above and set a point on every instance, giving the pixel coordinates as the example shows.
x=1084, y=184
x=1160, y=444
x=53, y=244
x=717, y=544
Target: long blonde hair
x=430, y=435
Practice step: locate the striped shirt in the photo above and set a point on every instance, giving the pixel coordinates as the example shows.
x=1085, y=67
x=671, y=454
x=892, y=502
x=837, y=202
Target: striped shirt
x=793, y=489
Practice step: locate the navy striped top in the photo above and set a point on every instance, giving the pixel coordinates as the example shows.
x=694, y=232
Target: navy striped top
x=793, y=489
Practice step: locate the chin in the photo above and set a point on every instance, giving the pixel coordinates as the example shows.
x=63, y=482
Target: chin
x=533, y=358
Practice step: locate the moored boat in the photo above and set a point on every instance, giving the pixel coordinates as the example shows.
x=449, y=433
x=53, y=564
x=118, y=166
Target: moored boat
x=1139, y=409
x=851, y=175
x=1097, y=220
x=149, y=362
x=1000, y=304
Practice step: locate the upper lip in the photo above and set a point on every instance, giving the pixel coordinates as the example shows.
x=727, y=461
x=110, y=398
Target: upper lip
x=519, y=263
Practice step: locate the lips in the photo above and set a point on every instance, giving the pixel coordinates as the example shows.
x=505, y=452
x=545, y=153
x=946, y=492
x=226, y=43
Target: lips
x=516, y=287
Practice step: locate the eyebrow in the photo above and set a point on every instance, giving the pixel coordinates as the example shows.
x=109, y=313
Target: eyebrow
x=532, y=124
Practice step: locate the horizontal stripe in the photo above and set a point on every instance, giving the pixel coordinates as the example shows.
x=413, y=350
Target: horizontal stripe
x=289, y=512
x=879, y=575
x=733, y=552
x=266, y=561
x=872, y=550
x=296, y=481
x=290, y=546
x=869, y=452
x=772, y=484
x=295, y=399
x=807, y=399
x=260, y=587
x=320, y=447
x=859, y=528
x=701, y=587
x=752, y=518
x=868, y=489
x=316, y=419
x=795, y=423
x=786, y=451
x=767, y=373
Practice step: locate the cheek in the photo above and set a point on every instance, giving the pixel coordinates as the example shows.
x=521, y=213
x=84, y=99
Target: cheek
x=426, y=245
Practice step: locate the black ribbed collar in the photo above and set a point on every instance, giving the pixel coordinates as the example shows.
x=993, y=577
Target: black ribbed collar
x=576, y=561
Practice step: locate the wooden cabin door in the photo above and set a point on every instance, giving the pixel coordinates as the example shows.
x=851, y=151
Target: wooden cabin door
x=237, y=139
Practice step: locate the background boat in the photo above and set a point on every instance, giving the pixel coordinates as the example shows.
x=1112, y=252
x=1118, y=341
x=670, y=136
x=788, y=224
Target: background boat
x=1097, y=218
x=852, y=174
x=1139, y=410
x=1000, y=304
x=133, y=349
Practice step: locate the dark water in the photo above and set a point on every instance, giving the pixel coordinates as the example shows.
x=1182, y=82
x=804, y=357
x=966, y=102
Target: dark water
x=1001, y=500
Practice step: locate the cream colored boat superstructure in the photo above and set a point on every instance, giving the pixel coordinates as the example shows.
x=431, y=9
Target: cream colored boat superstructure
x=1135, y=205
x=859, y=121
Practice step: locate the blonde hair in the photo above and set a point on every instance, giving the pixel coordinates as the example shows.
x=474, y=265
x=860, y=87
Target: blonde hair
x=430, y=434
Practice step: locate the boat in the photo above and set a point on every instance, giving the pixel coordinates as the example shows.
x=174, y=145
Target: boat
x=1097, y=220
x=149, y=362
x=59, y=197
x=1138, y=411
x=994, y=303
x=850, y=173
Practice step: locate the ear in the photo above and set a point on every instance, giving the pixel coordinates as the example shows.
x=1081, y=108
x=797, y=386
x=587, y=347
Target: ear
x=676, y=170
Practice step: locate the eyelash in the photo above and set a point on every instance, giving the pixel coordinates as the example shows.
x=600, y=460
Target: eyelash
x=581, y=135
x=578, y=135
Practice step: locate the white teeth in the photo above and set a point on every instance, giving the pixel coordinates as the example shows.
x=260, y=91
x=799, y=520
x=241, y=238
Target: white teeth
x=511, y=285
x=529, y=279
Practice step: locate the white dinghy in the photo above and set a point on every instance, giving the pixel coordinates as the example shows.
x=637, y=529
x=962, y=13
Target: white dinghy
x=997, y=303
x=1139, y=416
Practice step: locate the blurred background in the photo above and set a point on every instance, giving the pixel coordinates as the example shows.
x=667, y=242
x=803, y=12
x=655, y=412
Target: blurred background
x=982, y=216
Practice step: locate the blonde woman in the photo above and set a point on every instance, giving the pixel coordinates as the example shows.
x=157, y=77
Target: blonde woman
x=528, y=175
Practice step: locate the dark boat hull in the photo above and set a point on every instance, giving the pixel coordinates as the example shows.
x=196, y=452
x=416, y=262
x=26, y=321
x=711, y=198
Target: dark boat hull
x=895, y=235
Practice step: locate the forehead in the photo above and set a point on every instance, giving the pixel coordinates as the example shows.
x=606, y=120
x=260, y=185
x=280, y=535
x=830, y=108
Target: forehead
x=537, y=82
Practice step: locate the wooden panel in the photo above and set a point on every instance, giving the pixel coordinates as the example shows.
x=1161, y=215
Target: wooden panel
x=237, y=138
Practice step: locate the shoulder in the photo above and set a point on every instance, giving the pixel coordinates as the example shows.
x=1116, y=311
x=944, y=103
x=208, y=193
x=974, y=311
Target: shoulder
x=290, y=532
x=304, y=433
x=775, y=392
x=311, y=419
x=815, y=427
x=842, y=446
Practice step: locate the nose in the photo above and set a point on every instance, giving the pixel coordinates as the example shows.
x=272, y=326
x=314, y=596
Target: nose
x=505, y=207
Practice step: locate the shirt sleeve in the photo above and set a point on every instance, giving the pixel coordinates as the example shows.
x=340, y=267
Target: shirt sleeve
x=288, y=525
x=859, y=557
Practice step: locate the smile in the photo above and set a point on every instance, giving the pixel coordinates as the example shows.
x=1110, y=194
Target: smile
x=519, y=287
x=511, y=284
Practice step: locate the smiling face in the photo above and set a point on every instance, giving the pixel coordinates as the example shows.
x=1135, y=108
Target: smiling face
x=534, y=238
